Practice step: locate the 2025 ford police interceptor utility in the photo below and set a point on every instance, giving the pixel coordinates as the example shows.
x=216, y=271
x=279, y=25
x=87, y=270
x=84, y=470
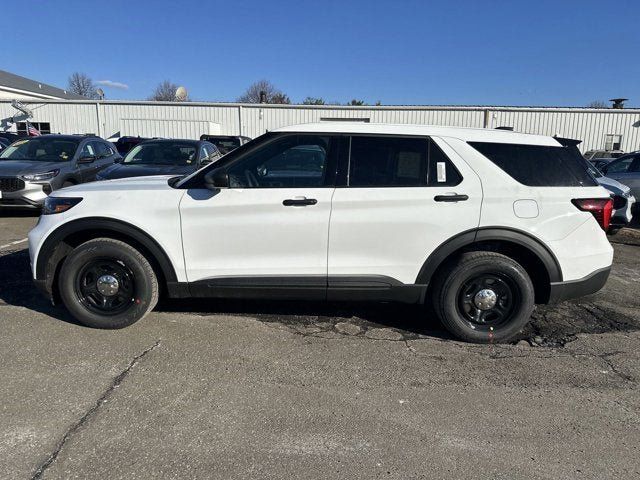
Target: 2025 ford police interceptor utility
x=481, y=223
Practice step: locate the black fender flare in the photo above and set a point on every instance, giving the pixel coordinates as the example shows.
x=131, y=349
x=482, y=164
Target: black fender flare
x=107, y=225
x=469, y=237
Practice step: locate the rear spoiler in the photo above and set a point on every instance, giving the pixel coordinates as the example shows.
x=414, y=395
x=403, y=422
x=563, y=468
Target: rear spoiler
x=567, y=142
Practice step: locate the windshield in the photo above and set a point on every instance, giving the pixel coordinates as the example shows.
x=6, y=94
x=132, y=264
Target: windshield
x=41, y=149
x=163, y=153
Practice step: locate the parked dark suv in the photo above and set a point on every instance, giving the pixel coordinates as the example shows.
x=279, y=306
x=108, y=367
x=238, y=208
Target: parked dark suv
x=31, y=168
x=162, y=157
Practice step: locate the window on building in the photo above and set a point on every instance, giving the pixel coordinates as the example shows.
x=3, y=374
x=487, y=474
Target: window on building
x=399, y=162
x=612, y=141
x=538, y=165
x=42, y=127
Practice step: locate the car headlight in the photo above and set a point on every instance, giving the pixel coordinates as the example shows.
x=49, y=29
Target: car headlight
x=39, y=177
x=59, y=204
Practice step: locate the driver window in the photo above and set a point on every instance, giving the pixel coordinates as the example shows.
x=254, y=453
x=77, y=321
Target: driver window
x=292, y=161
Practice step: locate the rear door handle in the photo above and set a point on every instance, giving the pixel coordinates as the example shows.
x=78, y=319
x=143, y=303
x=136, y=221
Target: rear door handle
x=451, y=198
x=299, y=202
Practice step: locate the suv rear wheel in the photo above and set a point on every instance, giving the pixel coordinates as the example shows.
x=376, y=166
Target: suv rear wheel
x=484, y=297
x=106, y=283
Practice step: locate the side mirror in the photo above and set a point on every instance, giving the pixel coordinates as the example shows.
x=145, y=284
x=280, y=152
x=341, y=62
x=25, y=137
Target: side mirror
x=87, y=159
x=216, y=178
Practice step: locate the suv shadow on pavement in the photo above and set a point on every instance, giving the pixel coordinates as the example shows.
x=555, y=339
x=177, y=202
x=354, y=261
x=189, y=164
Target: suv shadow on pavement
x=550, y=325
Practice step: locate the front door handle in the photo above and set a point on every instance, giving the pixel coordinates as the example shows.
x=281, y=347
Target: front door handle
x=451, y=198
x=299, y=202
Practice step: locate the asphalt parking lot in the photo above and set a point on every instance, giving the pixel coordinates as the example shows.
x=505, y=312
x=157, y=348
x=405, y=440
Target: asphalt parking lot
x=271, y=390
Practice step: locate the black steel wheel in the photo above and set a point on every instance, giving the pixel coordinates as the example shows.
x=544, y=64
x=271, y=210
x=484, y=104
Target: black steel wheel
x=105, y=286
x=487, y=300
x=483, y=297
x=106, y=283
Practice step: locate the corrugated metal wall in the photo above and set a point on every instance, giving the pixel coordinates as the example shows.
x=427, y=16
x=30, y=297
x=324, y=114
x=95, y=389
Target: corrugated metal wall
x=114, y=118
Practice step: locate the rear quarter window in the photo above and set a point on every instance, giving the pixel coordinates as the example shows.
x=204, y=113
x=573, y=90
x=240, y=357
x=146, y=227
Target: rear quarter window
x=538, y=165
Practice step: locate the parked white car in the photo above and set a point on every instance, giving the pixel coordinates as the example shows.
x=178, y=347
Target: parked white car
x=482, y=223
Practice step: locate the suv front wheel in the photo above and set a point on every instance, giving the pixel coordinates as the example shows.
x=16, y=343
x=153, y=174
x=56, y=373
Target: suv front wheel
x=484, y=297
x=106, y=283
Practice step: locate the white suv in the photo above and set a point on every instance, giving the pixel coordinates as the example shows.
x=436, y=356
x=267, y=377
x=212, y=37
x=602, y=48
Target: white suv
x=482, y=224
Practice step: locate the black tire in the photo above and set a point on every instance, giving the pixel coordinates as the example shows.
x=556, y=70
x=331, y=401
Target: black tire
x=456, y=297
x=136, y=287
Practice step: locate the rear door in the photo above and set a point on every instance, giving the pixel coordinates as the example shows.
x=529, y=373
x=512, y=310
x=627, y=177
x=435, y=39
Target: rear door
x=404, y=197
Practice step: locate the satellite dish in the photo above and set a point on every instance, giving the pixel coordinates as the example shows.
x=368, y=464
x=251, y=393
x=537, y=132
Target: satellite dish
x=20, y=106
x=100, y=93
x=181, y=94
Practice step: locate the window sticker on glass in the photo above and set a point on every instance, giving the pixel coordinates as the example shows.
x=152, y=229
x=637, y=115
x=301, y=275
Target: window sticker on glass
x=441, y=171
x=409, y=164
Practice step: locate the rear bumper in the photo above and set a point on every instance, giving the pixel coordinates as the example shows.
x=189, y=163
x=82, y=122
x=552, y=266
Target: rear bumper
x=561, y=291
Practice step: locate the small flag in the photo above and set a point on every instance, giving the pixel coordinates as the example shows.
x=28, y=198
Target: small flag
x=32, y=131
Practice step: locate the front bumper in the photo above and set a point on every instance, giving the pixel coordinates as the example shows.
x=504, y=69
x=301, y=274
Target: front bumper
x=561, y=291
x=31, y=196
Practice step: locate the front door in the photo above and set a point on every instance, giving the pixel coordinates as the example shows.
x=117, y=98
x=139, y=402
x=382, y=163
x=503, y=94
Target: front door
x=270, y=228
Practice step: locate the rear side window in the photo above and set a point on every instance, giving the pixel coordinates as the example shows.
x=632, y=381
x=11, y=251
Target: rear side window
x=399, y=162
x=538, y=165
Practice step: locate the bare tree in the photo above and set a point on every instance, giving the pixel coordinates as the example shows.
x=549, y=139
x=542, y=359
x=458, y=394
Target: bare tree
x=356, y=103
x=598, y=104
x=81, y=84
x=313, y=101
x=165, y=92
x=271, y=93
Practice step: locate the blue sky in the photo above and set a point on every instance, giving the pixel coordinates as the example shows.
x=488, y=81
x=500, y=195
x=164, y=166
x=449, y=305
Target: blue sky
x=565, y=53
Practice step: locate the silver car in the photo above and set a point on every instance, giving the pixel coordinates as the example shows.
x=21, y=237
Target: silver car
x=626, y=170
x=31, y=168
x=623, y=199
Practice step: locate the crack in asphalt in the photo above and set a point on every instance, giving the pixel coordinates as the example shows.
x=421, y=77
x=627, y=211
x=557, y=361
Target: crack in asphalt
x=115, y=383
x=614, y=368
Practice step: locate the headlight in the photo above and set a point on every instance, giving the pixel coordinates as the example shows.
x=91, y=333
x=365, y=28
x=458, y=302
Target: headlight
x=39, y=177
x=59, y=204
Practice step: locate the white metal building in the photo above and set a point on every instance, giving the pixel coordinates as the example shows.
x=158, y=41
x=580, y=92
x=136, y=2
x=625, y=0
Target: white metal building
x=597, y=128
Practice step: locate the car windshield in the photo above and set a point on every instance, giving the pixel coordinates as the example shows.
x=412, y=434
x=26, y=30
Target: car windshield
x=163, y=153
x=42, y=149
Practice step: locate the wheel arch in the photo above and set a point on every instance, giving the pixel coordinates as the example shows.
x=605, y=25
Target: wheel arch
x=540, y=262
x=62, y=240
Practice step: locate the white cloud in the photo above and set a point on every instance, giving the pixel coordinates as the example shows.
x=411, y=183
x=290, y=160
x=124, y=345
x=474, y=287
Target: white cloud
x=109, y=83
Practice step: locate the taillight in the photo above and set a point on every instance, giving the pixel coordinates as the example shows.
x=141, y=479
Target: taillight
x=600, y=208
